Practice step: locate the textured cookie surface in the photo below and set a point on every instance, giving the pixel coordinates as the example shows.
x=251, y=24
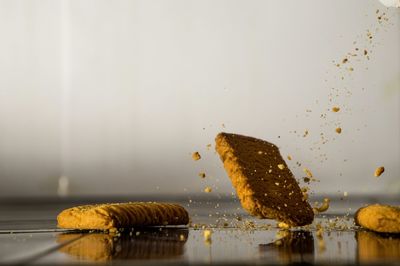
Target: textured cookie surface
x=265, y=185
x=379, y=218
x=120, y=215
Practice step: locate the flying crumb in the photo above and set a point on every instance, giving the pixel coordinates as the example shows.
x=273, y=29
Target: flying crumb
x=207, y=236
x=338, y=130
x=306, y=179
x=196, y=156
x=308, y=172
x=281, y=166
x=345, y=194
x=335, y=109
x=207, y=190
x=208, y=146
x=379, y=171
x=289, y=157
x=351, y=69
x=202, y=175
x=324, y=206
x=305, y=133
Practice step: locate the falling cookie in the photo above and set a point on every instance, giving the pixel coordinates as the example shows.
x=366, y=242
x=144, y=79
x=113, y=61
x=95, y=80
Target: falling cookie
x=265, y=185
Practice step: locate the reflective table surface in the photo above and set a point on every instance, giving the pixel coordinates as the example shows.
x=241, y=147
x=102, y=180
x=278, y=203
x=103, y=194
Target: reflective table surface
x=28, y=235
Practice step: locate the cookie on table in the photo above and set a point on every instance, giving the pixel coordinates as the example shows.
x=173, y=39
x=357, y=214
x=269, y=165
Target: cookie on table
x=265, y=185
x=379, y=218
x=122, y=215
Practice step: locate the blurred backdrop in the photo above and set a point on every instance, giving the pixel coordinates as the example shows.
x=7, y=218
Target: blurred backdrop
x=112, y=97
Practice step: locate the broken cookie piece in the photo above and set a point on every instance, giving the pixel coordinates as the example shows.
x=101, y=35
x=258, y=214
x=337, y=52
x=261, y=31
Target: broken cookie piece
x=379, y=218
x=196, y=156
x=379, y=171
x=122, y=215
x=255, y=183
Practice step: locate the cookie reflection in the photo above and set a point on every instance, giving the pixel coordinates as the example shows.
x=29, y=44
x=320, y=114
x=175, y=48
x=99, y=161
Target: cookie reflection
x=142, y=244
x=372, y=246
x=294, y=246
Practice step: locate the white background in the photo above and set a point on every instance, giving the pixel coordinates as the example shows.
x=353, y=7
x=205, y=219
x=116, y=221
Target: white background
x=116, y=95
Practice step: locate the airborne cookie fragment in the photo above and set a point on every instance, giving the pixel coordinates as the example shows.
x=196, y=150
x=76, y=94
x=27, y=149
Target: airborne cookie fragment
x=196, y=156
x=255, y=183
x=379, y=218
x=122, y=215
x=324, y=206
x=379, y=171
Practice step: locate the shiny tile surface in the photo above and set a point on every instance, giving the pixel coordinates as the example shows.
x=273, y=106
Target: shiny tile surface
x=235, y=238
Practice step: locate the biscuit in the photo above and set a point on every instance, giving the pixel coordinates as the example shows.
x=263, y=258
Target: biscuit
x=265, y=189
x=379, y=218
x=122, y=215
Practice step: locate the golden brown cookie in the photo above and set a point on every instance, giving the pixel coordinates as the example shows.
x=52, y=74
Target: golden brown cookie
x=379, y=218
x=265, y=185
x=120, y=215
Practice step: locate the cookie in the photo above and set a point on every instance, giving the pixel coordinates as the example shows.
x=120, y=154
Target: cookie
x=265, y=185
x=122, y=215
x=379, y=218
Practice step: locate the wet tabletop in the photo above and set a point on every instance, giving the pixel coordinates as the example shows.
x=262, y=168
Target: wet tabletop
x=28, y=235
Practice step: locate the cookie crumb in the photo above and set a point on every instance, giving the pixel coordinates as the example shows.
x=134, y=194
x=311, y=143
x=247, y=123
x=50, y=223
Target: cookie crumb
x=196, y=156
x=289, y=157
x=335, y=109
x=308, y=172
x=202, y=175
x=207, y=189
x=338, y=130
x=324, y=207
x=379, y=171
